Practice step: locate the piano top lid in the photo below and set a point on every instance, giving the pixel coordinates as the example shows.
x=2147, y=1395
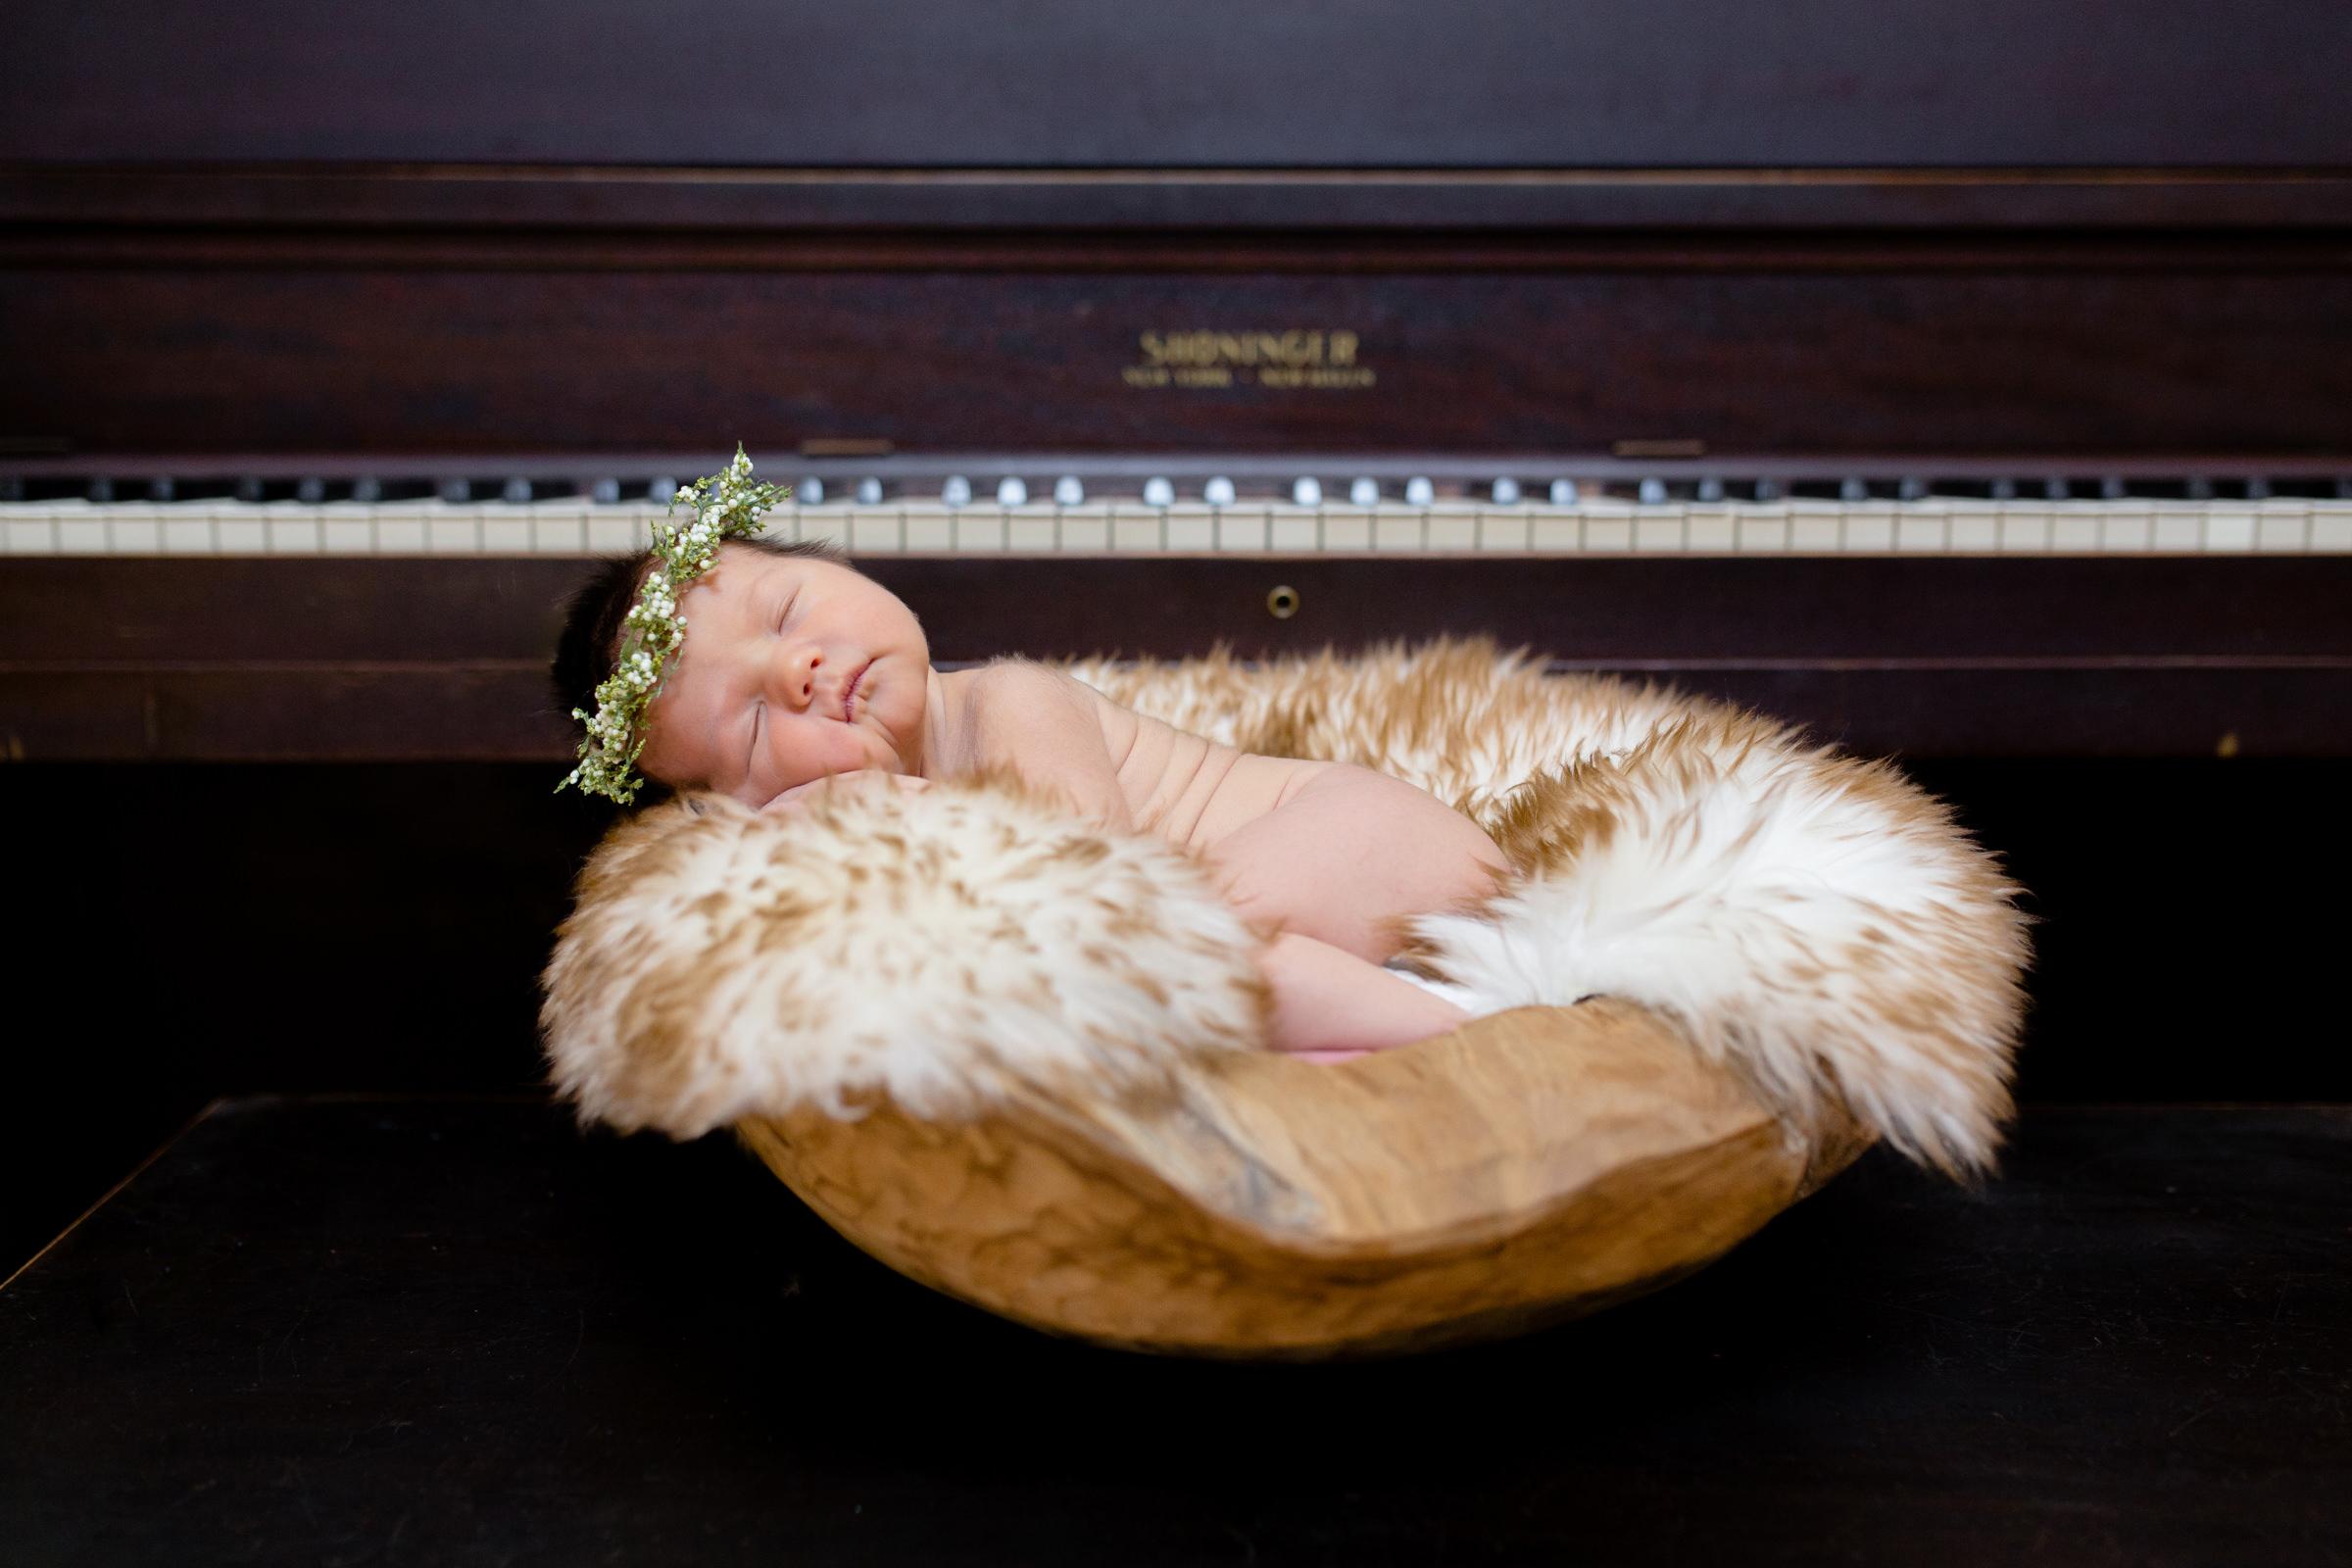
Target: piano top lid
x=1072, y=84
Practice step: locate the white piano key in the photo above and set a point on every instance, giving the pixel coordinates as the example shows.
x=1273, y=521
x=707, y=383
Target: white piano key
x=1974, y=532
x=1137, y=529
x=2331, y=528
x=1292, y=529
x=614, y=536
x=2074, y=533
x=136, y=536
x=189, y=535
x=1920, y=535
x=402, y=532
x=299, y=536
x=2025, y=531
x=453, y=535
x=1243, y=530
x=1443, y=531
x=2177, y=529
x=1192, y=528
x=1347, y=531
x=1398, y=530
x=347, y=536
x=1030, y=530
x=30, y=536
x=2282, y=530
x=2229, y=531
x=1870, y=530
x=1659, y=532
x=1710, y=530
x=1086, y=532
x=1608, y=534
x=1550, y=533
x=82, y=536
x=505, y=536
x=1764, y=531
x=875, y=531
x=1816, y=530
x=929, y=531
x=2127, y=531
x=980, y=530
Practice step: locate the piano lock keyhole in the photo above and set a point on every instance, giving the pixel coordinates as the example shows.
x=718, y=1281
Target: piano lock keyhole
x=1282, y=602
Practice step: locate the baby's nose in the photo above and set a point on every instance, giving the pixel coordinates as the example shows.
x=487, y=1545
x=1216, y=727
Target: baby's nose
x=796, y=674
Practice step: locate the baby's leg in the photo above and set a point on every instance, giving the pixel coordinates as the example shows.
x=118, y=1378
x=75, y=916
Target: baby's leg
x=1348, y=857
x=1332, y=1006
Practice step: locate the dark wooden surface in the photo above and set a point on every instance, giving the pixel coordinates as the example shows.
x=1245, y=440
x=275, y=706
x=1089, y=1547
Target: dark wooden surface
x=399, y=1331
x=1217, y=82
x=416, y=658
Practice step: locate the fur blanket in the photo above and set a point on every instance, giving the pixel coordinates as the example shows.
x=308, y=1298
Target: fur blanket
x=1814, y=921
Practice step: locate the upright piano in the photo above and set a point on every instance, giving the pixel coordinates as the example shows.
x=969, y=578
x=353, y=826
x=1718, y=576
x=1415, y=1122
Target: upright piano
x=1953, y=383
x=1966, y=382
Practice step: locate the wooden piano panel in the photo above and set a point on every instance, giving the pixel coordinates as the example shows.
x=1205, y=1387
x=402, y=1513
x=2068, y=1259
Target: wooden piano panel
x=1797, y=350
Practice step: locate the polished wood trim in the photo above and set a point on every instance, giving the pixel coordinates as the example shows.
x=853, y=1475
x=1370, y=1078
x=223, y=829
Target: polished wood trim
x=587, y=197
x=1317, y=253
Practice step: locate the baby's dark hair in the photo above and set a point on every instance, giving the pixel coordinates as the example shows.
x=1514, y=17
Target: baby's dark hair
x=589, y=645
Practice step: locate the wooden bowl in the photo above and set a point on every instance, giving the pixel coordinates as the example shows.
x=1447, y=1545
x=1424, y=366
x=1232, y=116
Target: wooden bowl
x=1533, y=1166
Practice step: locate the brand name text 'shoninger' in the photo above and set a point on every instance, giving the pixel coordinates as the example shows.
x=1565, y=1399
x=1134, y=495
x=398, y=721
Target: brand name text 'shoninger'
x=1207, y=358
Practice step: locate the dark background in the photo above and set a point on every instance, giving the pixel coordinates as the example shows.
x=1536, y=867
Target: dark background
x=178, y=932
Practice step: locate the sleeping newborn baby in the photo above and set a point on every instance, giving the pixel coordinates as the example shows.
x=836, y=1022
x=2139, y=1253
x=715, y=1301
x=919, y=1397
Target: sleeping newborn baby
x=797, y=673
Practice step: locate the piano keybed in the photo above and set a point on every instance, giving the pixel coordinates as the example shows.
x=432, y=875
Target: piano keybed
x=1597, y=523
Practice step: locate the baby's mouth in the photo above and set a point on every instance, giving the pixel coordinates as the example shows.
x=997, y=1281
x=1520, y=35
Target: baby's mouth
x=848, y=694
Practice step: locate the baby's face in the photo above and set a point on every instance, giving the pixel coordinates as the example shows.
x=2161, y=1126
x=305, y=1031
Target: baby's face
x=792, y=669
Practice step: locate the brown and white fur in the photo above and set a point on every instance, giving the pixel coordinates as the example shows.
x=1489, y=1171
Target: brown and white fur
x=1815, y=921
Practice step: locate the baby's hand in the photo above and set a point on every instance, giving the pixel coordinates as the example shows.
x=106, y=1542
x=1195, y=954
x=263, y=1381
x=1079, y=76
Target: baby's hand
x=798, y=796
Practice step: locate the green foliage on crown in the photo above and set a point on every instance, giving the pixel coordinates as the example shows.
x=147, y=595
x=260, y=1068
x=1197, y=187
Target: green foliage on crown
x=719, y=506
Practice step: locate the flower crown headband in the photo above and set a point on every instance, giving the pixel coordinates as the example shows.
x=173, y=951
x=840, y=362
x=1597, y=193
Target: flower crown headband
x=724, y=505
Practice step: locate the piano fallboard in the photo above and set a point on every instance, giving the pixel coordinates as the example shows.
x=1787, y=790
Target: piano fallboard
x=421, y=657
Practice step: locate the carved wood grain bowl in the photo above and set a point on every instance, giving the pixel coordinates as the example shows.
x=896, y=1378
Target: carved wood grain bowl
x=1533, y=1166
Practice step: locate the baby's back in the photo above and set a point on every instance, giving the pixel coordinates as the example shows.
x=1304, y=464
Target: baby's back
x=1188, y=790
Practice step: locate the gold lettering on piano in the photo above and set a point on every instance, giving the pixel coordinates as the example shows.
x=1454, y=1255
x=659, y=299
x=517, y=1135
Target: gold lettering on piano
x=1285, y=360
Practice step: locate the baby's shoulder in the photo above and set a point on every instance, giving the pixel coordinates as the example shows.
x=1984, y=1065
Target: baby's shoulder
x=1013, y=693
